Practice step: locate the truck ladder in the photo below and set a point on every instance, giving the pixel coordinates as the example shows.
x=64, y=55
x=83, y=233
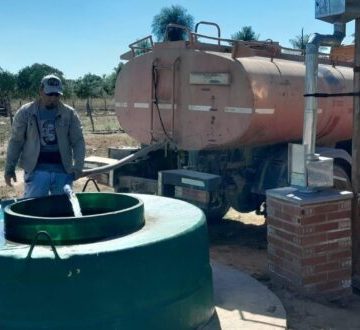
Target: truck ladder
x=156, y=67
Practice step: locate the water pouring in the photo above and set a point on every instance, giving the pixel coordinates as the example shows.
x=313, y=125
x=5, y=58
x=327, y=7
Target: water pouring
x=73, y=200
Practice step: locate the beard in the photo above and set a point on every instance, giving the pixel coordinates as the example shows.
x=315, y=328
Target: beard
x=50, y=106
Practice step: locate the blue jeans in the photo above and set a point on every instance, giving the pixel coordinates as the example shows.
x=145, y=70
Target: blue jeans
x=42, y=183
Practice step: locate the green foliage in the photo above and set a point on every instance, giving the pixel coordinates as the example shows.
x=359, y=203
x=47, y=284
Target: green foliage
x=69, y=88
x=26, y=83
x=7, y=84
x=300, y=41
x=246, y=34
x=29, y=78
x=88, y=86
x=143, y=47
x=119, y=68
x=176, y=15
x=109, y=81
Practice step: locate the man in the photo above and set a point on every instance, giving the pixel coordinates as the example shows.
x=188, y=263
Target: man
x=48, y=142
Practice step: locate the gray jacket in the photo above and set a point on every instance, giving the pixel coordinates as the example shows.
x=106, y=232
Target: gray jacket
x=24, y=142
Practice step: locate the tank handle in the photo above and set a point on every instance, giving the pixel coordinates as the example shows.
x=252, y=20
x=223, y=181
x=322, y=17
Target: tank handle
x=87, y=182
x=33, y=243
x=173, y=25
x=208, y=23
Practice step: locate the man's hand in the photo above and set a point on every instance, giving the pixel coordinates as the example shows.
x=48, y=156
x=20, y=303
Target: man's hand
x=8, y=178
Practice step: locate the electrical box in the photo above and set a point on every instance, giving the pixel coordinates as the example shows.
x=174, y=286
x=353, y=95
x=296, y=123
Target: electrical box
x=191, y=186
x=315, y=173
x=337, y=11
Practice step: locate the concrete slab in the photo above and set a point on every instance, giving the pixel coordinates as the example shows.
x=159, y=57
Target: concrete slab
x=243, y=303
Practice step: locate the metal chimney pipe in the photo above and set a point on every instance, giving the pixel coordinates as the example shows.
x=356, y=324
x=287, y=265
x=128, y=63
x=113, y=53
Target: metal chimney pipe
x=355, y=179
x=311, y=74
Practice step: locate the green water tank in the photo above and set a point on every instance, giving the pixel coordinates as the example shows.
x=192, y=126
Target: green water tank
x=153, y=275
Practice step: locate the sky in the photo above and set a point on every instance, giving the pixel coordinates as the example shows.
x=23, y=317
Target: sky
x=88, y=36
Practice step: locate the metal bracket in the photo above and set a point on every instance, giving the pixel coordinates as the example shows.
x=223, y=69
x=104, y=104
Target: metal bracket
x=33, y=243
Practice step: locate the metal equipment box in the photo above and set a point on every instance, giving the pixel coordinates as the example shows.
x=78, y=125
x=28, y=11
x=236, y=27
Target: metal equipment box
x=192, y=186
x=337, y=11
x=317, y=173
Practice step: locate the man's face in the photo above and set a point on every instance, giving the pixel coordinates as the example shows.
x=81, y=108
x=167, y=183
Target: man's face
x=49, y=101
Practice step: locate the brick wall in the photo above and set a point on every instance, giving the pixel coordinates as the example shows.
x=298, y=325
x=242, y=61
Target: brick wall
x=309, y=244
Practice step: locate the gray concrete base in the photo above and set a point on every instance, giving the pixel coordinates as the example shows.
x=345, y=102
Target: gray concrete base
x=243, y=303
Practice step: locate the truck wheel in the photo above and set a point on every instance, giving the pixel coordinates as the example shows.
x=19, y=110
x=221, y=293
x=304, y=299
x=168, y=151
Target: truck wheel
x=215, y=213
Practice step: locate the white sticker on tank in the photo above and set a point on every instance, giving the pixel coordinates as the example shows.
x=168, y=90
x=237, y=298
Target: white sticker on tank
x=193, y=182
x=265, y=111
x=166, y=106
x=199, y=107
x=141, y=105
x=121, y=104
x=238, y=110
x=209, y=78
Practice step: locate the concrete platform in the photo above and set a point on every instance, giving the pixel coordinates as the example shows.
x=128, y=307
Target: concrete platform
x=243, y=303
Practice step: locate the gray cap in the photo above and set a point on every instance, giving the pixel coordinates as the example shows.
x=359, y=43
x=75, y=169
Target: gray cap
x=52, y=84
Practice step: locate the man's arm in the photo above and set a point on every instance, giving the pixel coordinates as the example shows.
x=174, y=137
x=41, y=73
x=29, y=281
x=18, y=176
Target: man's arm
x=16, y=142
x=77, y=143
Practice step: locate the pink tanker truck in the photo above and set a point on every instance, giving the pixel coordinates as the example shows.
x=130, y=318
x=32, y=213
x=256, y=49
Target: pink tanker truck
x=226, y=111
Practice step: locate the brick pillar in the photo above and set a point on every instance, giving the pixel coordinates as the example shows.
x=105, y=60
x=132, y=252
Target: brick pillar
x=309, y=241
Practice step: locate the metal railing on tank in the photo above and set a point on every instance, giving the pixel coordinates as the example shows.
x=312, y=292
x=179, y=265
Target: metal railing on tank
x=237, y=48
x=141, y=46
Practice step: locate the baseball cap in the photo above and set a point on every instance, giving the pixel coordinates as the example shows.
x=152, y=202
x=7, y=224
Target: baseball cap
x=52, y=84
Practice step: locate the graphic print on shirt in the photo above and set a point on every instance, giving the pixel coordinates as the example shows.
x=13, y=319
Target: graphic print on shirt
x=48, y=133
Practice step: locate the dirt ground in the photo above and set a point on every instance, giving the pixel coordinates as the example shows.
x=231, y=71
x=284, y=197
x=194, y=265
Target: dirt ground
x=239, y=240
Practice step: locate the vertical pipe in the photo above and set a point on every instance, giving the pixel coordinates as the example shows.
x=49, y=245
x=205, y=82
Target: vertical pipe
x=356, y=159
x=312, y=63
x=310, y=115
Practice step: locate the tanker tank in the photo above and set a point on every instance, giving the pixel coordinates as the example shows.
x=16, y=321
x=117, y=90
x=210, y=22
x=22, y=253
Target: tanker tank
x=130, y=262
x=228, y=108
x=213, y=99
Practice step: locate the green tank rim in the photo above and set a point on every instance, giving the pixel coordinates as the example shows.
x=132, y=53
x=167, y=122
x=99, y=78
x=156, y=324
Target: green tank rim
x=106, y=215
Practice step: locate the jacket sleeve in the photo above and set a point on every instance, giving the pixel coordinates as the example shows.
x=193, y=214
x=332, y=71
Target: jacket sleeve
x=16, y=142
x=77, y=142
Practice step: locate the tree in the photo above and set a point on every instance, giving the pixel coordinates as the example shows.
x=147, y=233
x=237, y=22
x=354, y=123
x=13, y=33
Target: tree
x=175, y=15
x=246, y=33
x=88, y=86
x=300, y=41
x=119, y=68
x=7, y=84
x=109, y=81
x=29, y=78
x=69, y=91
